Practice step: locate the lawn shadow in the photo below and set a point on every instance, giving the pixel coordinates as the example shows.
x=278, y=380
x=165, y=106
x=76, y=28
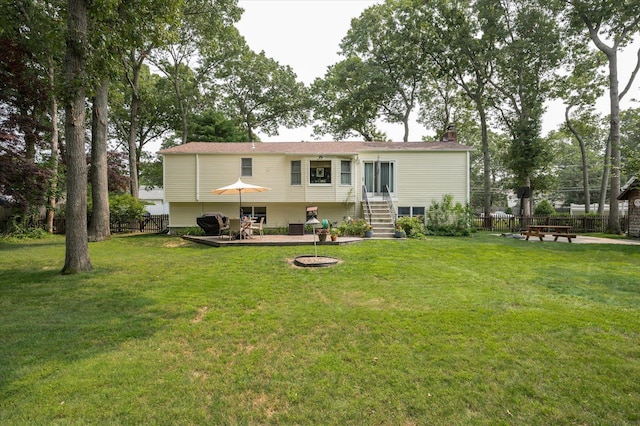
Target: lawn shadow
x=50, y=319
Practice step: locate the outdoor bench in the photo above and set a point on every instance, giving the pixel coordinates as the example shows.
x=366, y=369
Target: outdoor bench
x=563, y=234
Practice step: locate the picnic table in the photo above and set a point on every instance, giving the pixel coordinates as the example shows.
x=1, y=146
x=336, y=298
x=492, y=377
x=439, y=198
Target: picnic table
x=556, y=231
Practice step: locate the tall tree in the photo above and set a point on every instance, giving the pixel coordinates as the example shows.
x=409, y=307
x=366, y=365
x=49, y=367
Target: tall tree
x=204, y=37
x=386, y=36
x=346, y=100
x=99, y=226
x=464, y=54
x=630, y=141
x=569, y=157
x=263, y=94
x=213, y=126
x=156, y=112
x=580, y=88
x=611, y=25
x=77, y=248
x=36, y=28
x=143, y=29
x=528, y=51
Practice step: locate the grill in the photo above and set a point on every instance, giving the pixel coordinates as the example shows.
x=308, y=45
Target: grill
x=212, y=223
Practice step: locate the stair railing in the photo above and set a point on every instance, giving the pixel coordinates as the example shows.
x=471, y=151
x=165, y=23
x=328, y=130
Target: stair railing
x=365, y=200
x=386, y=196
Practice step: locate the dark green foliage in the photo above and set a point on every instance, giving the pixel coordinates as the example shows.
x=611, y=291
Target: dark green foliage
x=192, y=230
x=124, y=208
x=151, y=173
x=354, y=228
x=448, y=219
x=21, y=228
x=413, y=227
x=213, y=126
x=544, y=208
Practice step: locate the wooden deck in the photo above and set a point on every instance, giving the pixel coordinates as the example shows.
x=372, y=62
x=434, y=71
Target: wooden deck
x=271, y=240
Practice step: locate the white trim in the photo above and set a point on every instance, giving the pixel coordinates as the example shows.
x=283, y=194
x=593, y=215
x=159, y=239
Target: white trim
x=197, y=177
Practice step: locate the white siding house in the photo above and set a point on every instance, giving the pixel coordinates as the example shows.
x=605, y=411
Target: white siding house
x=333, y=176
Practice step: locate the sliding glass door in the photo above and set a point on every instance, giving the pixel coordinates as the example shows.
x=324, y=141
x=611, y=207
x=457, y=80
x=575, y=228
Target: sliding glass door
x=378, y=175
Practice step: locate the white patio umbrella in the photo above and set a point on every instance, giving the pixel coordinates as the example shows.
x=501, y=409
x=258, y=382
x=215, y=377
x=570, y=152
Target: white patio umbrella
x=239, y=187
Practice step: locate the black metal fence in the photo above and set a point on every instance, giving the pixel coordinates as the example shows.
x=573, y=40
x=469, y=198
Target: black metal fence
x=582, y=224
x=149, y=224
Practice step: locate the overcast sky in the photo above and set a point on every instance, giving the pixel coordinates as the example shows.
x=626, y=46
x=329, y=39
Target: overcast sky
x=305, y=34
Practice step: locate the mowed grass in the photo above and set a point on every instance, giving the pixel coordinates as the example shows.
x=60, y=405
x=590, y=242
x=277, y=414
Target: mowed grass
x=482, y=330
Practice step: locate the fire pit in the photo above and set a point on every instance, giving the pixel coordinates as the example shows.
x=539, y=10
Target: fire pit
x=311, y=261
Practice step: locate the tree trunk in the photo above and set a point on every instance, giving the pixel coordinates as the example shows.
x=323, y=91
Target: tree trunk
x=583, y=154
x=405, y=122
x=613, y=226
x=604, y=184
x=133, y=129
x=181, y=103
x=486, y=158
x=99, y=229
x=77, y=246
x=527, y=202
x=53, y=185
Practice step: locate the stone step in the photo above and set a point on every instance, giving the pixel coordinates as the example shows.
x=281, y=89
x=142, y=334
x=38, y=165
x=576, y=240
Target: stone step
x=381, y=220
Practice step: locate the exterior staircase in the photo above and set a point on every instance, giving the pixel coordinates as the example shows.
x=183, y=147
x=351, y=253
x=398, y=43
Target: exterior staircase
x=381, y=219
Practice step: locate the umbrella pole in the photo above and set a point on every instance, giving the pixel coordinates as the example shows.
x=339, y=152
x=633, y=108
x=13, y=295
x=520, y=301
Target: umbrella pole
x=315, y=247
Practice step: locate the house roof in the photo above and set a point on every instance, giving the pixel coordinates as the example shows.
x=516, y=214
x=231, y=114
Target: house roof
x=632, y=184
x=312, y=148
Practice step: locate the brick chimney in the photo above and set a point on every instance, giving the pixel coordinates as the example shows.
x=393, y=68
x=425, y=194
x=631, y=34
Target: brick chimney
x=450, y=135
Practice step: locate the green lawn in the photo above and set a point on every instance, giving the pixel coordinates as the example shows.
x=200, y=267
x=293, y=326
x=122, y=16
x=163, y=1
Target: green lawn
x=482, y=331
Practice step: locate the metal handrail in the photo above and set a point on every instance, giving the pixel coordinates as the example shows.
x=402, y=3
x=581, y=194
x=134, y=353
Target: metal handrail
x=365, y=199
x=386, y=195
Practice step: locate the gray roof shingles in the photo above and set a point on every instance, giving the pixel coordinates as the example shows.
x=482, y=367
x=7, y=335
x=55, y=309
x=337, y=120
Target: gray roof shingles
x=314, y=148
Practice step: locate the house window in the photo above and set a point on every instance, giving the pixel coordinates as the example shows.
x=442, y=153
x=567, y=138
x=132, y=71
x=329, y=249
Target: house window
x=410, y=211
x=345, y=172
x=255, y=213
x=246, y=167
x=296, y=172
x=320, y=171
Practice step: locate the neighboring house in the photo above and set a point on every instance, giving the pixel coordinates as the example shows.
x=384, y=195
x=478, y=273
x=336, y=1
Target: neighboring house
x=155, y=196
x=331, y=176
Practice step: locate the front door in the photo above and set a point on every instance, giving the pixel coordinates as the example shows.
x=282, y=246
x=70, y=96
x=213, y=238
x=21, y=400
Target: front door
x=377, y=176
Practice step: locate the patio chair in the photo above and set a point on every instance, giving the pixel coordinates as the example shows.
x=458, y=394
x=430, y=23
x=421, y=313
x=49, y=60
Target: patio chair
x=258, y=226
x=234, y=227
x=223, y=225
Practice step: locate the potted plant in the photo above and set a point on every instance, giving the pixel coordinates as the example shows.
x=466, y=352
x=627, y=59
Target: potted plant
x=324, y=231
x=335, y=232
x=399, y=232
x=322, y=234
x=368, y=231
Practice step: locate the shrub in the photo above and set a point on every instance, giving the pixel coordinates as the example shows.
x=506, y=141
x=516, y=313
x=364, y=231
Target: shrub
x=192, y=230
x=126, y=208
x=413, y=227
x=544, y=208
x=21, y=228
x=354, y=228
x=448, y=219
